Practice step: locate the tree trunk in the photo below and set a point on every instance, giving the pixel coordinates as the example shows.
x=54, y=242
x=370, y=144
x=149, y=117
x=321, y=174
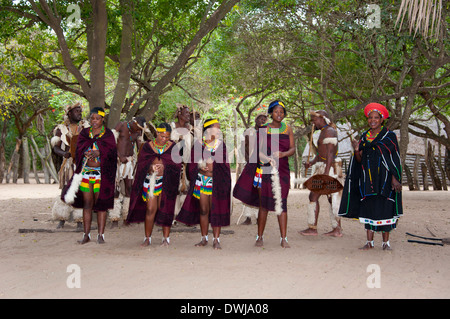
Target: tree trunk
x=430, y=163
x=49, y=158
x=2, y=151
x=409, y=178
x=296, y=166
x=125, y=64
x=13, y=163
x=41, y=154
x=33, y=162
x=16, y=164
x=424, y=176
x=96, y=49
x=441, y=168
x=25, y=161
x=416, y=172
x=447, y=162
x=404, y=132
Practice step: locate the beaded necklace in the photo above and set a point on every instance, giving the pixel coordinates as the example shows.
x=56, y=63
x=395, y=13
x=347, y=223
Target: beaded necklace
x=102, y=132
x=94, y=146
x=211, y=148
x=160, y=148
x=370, y=136
x=279, y=130
x=129, y=130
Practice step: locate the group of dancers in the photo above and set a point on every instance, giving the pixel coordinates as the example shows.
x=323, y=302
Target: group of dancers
x=182, y=174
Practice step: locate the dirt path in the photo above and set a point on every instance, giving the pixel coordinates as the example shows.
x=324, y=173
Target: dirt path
x=40, y=264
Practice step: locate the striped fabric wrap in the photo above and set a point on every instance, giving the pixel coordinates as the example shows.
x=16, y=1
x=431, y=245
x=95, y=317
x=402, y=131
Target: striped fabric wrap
x=91, y=175
x=203, y=185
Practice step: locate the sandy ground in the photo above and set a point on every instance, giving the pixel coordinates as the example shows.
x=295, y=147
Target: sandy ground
x=39, y=264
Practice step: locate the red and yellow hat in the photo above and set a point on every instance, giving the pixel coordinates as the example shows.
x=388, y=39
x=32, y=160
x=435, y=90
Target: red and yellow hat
x=381, y=109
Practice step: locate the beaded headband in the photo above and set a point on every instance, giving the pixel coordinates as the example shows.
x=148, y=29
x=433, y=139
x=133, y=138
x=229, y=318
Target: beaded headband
x=101, y=113
x=211, y=122
x=379, y=108
x=275, y=103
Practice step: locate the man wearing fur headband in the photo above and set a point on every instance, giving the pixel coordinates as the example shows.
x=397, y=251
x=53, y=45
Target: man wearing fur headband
x=327, y=163
x=63, y=143
x=128, y=135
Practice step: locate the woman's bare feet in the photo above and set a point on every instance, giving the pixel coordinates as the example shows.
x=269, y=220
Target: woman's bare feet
x=203, y=242
x=147, y=242
x=216, y=244
x=367, y=246
x=86, y=239
x=284, y=243
x=259, y=241
x=100, y=239
x=165, y=242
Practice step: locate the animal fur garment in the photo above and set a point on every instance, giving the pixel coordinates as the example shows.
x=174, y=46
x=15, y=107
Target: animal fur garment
x=115, y=213
x=70, y=196
x=55, y=140
x=334, y=208
x=125, y=207
x=330, y=140
x=201, y=164
x=276, y=188
x=335, y=170
x=77, y=215
x=152, y=184
x=249, y=211
x=116, y=134
x=126, y=169
x=300, y=180
x=65, y=172
x=61, y=210
x=311, y=213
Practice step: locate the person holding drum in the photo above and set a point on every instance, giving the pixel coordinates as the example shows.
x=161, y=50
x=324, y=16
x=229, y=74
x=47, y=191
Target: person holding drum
x=325, y=163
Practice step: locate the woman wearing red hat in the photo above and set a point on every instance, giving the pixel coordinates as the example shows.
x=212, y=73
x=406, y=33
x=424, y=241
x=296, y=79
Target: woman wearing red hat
x=372, y=190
